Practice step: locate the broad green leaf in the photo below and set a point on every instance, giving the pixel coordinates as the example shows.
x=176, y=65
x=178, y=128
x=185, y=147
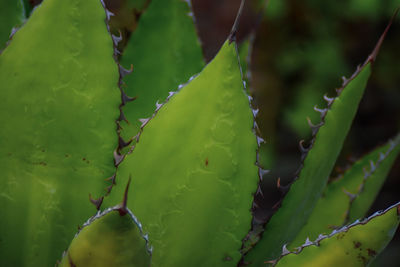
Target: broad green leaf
x=193, y=170
x=165, y=53
x=12, y=14
x=354, y=245
x=58, y=105
x=352, y=193
x=109, y=239
x=304, y=193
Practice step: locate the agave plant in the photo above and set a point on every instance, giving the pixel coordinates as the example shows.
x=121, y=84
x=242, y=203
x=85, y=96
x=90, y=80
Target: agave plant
x=168, y=157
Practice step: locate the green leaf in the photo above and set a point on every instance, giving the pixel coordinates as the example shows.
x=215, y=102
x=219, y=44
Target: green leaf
x=109, y=239
x=58, y=105
x=194, y=170
x=328, y=138
x=165, y=53
x=351, y=194
x=11, y=15
x=370, y=189
x=353, y=245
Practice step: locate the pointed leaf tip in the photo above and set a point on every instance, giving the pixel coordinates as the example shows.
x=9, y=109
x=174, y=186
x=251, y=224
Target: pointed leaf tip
x=96, y=202
x=375, y=52
x=232, y=35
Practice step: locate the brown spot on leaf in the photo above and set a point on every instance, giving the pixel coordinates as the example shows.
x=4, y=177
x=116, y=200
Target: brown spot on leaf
x=357, y=244
x=206, y=162
x=371, y=252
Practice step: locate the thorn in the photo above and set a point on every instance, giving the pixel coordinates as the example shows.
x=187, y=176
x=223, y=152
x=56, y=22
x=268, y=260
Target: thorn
x=123, y=210
x=350, y=195
x=329, y=100
x=302, y=148
x=158, y=105
x=144, y=122
x=117, y=158
x=255, y=126
x=108, y=189
x=122, y=143
x=109, y=14
x=232, y=35
x=262, y=172
x=123, y=72
x=375, y=52
x=308, y=242
x=259, y=191
x=314, y=128
x=122, y=116
x=366, y=173
x=125, y=98
x=322, y=111
x=112, y=178
x=373, y=166
x=170, y=94
x=116, y=39
x=285, y=251
x=96, y=202
x=260, y=141
x=255, y=112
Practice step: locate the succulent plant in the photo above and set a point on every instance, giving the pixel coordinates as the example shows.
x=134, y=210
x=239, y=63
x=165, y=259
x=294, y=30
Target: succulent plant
x=180, y=149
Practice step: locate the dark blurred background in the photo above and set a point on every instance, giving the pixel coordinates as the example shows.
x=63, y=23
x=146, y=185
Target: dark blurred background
x=301, y=51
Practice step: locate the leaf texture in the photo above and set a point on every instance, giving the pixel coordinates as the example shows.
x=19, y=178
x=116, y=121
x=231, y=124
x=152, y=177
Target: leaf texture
x=59, y=101
x=193, y=169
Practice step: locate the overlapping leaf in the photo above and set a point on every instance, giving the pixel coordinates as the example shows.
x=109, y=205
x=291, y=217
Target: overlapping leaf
x=112, y=238
x=353, y=245
x=359, y=185
x=165, y=53
x=58, y=104
x=193, y=170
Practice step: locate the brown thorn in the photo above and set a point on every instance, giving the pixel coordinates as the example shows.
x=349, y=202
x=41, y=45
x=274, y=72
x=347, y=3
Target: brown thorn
x=232, y=35
x=112, y=178
x=123, y=209
x=125, y=98
x=122, y=143
x=375, y=52
x=122, y=117
x=96, y=202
